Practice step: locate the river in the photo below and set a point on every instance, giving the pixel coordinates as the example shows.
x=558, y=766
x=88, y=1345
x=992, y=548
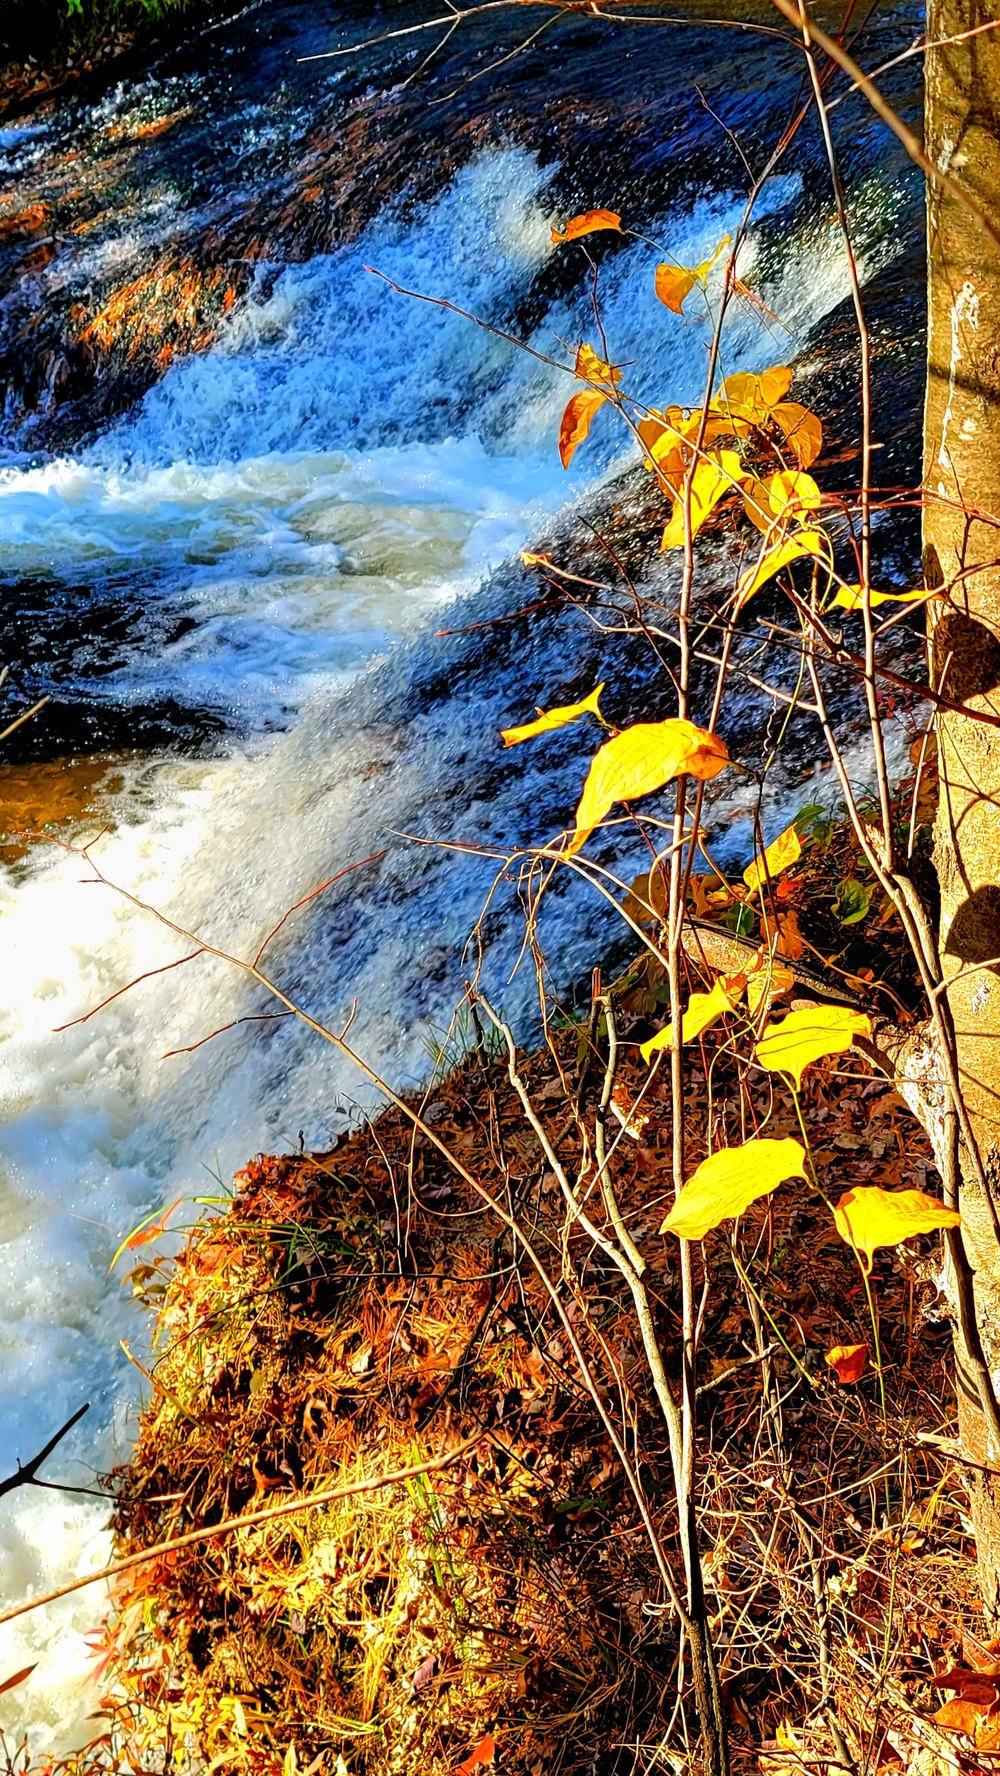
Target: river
x=243, y=488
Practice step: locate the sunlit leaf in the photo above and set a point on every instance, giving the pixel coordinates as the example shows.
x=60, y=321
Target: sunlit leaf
x=781, y=853
x=147, y=1230
x=808, y=1035
x=791, y=491
x=590, y=368
x=674, y=283
x=753, y=397
x=766, y=980
x=590, y=222
x=868, y=1217
x=575, y=423
x=961, y=1717
x=851, y=901
x=803, y=431
x=852, y=598
x=848, y=1360
x=791, y=942
x=782, y=554
x=547, y=719
x=532, y=559
x=729, y=1181
x=483, y=1754
x=703, y=1010
x=712, y=479
x=641, y=759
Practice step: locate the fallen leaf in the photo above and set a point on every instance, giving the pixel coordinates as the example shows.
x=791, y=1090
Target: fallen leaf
x=868, y=1217
x=711, y=480
x=483, y=1754
x=703, y=1009
x=781, y=853
x=779, y=555
x=575, y=423
x=809, y=1035
x=728, y=1181
x=588, y=223
x=962, y=1717
x=849, y=1361
x=791, y=942
x=978, y=1687
x=640, y=759
x=549, y=719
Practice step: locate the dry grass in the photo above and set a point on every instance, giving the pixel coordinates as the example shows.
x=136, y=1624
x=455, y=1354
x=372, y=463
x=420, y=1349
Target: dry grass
x=358, y=1311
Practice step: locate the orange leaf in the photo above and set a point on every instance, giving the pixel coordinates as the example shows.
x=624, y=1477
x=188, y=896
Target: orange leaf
x=483, y=1754
x=589, y=223
x=962, y=1717
x=576, y=420
x=868, y=1217
x=803, y=432
x=147, y=1230
x=674, y=283
x=18, y=1677
x=643, y=758
x=849, y=1360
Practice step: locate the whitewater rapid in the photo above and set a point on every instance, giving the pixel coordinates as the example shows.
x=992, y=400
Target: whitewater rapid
x=303, y=505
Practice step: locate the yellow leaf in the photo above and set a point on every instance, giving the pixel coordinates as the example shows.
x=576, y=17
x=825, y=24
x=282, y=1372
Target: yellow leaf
x=808, y=1035
x=803, y=432
x=729, y=1181
x=641, y=759
x=791, y=492
x=575, y=425
x=548, y=719
x=531, y=559
x=852, y=598
x=703, y=1009
x=713, y=478
x=781, y=853
x=753, y=396
x=588, y=223
x=849, y=1361
x=867, y=1217
x=766, y=979
x=793, y=548
x=590, y=368
x=674, y=283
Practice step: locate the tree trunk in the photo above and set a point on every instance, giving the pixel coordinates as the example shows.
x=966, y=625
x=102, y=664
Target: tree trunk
x=962, y=553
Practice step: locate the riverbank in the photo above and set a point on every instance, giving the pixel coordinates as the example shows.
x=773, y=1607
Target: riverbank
x=62, y=48
x=363, y=1311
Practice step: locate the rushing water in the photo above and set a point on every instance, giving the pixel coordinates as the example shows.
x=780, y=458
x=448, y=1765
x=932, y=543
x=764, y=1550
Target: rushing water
x=229, y=563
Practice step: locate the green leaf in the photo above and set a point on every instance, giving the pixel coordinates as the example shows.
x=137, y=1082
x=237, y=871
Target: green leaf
x=852, y=900
x=807, y=816
x=740, y=920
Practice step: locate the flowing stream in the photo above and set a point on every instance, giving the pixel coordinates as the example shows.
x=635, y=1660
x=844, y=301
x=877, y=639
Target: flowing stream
x=235, y=516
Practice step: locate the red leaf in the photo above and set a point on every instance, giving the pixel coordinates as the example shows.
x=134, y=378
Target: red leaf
x=483, y=1754
x=849, y=1360
x=18, y=1677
